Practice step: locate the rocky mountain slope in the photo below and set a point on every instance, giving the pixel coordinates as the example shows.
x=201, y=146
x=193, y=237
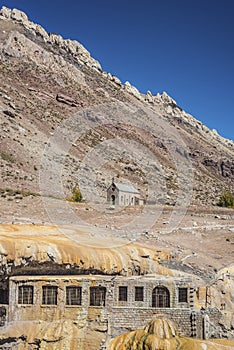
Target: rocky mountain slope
x=45, y=80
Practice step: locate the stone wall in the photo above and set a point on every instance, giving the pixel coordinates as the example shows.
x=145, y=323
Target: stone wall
x=124, y=319
x=114, y=317
x=204, y=324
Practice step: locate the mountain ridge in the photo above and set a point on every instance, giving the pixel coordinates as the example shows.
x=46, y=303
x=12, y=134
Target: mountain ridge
x=54, y=76
x=82, y=55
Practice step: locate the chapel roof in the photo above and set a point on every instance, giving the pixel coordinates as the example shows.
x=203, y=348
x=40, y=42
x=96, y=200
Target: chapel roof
x=126, y=188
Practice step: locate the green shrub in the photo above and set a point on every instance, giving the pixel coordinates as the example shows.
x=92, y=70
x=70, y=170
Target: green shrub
x=12, y=192
x=226, y=200
x=76, y=195
x=7, y=157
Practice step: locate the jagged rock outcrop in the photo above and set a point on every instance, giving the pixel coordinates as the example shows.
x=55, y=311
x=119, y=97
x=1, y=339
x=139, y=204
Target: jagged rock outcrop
x=227, y=168
x=18, y=46
x=70, y=46
x=68, y=100
x=132, y=90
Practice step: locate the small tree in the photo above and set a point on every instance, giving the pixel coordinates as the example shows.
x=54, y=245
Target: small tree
x=226, y=200
x=76, y=195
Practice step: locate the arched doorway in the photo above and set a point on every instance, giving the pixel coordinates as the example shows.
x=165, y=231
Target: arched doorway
x=160, y=297
x=113, y=199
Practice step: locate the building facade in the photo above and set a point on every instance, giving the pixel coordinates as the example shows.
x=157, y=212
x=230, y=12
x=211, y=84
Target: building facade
x=119, y=194
x=114, y=304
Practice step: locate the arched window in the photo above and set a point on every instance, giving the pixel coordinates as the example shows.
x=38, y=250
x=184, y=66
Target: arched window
x=160, y=297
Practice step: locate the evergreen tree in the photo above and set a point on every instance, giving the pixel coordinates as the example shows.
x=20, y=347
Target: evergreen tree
x=76, y=195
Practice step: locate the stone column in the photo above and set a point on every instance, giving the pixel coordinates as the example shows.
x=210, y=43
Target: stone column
x=206, y=327
x=193, y=324
x=191, y=297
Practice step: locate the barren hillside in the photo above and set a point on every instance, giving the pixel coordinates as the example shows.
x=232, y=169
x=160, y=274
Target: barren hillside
x=46, y=82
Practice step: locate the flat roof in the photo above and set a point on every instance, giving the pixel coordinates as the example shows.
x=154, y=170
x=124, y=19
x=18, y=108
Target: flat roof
x=98, y=277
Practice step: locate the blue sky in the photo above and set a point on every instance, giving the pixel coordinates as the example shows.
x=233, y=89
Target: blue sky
x=183, y=47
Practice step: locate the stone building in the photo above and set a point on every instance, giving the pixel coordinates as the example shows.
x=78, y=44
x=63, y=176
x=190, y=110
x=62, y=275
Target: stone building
x=114, y=304
x=123, y=195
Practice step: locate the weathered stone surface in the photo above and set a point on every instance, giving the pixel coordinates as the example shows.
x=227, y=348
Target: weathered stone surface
x=41, y=31
x=5, y=12
x=116, y=80
x=66, y=335
x=132, y=90
x=161, y=334
x=56, y=39
x=19, y=16
x=71, y=46
x=210, y=163
x=47, y=244
x=67, y=100
x=149, y=97
x=167, y=99
x=227, y=168
x=21, y=47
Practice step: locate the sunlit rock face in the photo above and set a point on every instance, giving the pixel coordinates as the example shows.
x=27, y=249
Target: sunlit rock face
x=222, y=295
x=160, y=334
x=73, y=248
x=163, y=329
x=59, y=335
